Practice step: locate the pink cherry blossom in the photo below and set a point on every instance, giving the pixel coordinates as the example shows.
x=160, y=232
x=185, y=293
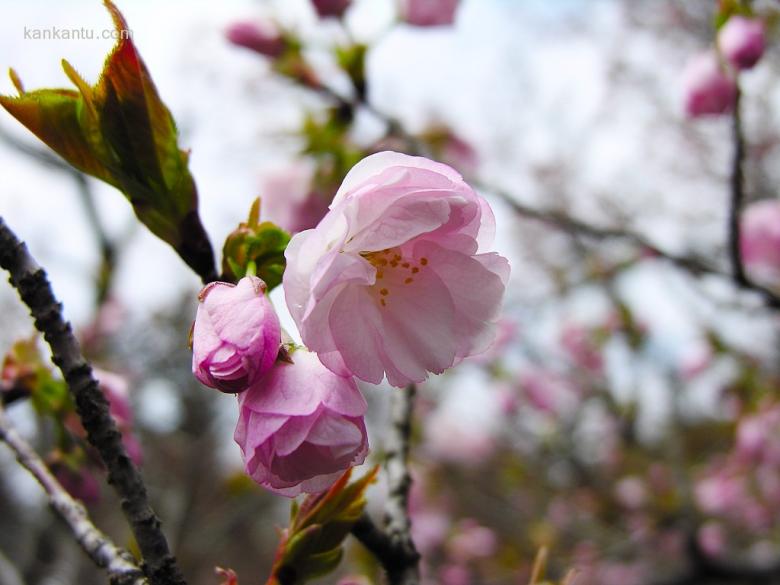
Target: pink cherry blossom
x=472, y=541
x=708, y=88
x=449, y=440
x=236, y=337
x=394, y=280
x=327, y=8
x=428, y=12
x=711, y=537
x=260, y=36
x=289, y=198
x=115, y=389
x=758, y=437
x=582, y=348
x=80, y=483
x=301, y=426
x=760, y=240
x=742, y=41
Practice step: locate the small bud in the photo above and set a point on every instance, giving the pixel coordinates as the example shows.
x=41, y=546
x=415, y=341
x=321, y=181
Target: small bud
x=236, y=336
x=261, y=37
x=708, y=88
x=429, y=12
x=760, y=241
x=742, y=41
x=335, y=8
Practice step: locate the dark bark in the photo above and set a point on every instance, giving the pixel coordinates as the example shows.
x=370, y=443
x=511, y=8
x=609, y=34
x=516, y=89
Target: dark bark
x=33, y=286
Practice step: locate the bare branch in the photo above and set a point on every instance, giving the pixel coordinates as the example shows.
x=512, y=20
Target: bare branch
x=35, y=291
x=119, y=564
x=737, y=196
x=397, y=523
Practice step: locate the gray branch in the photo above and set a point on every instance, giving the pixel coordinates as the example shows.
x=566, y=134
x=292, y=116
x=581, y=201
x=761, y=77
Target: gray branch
x=406, y=569
x=120, y=566
x=31, y=282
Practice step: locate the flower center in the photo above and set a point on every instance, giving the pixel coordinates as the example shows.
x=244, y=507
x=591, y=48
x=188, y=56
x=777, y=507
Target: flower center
x=393, y=270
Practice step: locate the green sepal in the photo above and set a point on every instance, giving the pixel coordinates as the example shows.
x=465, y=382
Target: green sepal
x=263, y=243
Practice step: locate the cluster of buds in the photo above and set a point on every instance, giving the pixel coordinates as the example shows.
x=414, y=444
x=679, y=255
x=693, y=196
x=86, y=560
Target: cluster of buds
x=710, y=77
x=300, y=425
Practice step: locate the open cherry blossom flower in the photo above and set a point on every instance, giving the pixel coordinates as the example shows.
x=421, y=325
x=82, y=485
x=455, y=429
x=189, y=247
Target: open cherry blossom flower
x=301, y=426
x=394, y=280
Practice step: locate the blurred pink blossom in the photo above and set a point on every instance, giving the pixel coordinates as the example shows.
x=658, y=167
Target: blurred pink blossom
x=289, y=198
x=261, y=36
x=455, y=574
x=709, y=90
x=742, y=41
x=631, y=492
x=428, y=12
x=236, y=336
x=451, y=441
x=326, y=8
x=506, y=333
x=758, y=436
x=79, y=483
x=116, y=390
x=760, y=240
x=301, y=426
x=548, y=392
x=472, y=541
x=582, y=348
x=394, y=280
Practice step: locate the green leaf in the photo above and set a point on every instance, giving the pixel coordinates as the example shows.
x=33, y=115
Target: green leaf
x=311, y=546
x=121, y=132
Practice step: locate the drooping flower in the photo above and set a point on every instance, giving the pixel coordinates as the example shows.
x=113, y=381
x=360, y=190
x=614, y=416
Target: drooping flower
x=326, y=8
x=394, y=280
x=236, y=337
x=760, y=240
x=301, y=426
x=260, y=36
x=709, y=90
x=742, y=41
x=429, y=12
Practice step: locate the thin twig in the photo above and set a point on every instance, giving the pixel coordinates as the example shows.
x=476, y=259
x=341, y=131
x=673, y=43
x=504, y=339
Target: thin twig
x=737, y=196
x=397, y=523
x=34, y=288
x=120, y=566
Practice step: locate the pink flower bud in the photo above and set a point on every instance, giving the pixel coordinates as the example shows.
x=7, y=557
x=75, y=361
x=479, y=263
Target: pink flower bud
x=396, y=280
x=301, y=426
x=236, y=337
x=327, y=8
x=79, y=483
x=708, y=88
x=760, y=240
x=742, y=41
x=261, y=37
x=429, y=12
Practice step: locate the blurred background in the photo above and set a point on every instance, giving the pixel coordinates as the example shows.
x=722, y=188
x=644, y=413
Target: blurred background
x=627, y=417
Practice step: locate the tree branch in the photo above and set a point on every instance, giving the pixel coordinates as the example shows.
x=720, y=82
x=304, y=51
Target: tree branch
x=737, y=196
x=35, y=291
x=120, y=566
x=406, y=571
